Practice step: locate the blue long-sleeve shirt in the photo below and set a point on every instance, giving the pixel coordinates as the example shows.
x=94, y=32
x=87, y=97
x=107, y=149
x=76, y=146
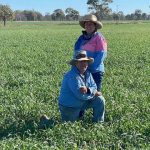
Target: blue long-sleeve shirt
x=70, y=94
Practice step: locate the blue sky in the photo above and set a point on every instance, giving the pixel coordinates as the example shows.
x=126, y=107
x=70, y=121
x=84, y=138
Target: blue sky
x=44, y=6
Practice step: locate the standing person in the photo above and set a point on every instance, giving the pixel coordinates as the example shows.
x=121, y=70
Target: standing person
x=95, y=45
x=79, y=91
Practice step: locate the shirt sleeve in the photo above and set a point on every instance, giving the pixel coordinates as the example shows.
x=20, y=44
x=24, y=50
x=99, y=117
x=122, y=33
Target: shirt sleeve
x=74, y=84
x=92, y=86
x=99, y=58
x=101, y=51
x=77, y=45
x=101, y=43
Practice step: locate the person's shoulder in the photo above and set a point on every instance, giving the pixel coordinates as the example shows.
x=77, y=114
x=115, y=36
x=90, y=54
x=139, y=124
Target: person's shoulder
x=81, y=36
x=99, y=35
x=70, y=73
x=67, y=73
x=88, y=73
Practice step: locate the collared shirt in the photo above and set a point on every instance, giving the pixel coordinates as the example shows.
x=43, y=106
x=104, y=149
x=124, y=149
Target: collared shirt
x=70, y=94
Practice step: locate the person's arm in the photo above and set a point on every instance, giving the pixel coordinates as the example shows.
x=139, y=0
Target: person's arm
x=75, y=84
x=101, y=50
x=78, y=43
x=92, y=85
x=92, y=88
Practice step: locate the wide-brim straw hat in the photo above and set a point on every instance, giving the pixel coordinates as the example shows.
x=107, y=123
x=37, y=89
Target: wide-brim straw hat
x=81, y=56
x=91, y=18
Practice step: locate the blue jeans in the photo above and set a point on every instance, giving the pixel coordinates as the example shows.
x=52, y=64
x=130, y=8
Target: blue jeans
x=72, y=113
x=98, y=77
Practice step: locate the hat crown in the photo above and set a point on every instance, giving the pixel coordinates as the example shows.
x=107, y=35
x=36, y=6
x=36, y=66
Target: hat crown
x=80, y=54
x=90, y=18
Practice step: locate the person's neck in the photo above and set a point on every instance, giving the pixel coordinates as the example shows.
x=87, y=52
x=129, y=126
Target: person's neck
x=82, y=73
x=89, y=34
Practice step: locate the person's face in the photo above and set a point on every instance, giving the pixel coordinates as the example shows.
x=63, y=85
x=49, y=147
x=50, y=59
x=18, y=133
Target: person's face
x=89, y=27
x=82, y=66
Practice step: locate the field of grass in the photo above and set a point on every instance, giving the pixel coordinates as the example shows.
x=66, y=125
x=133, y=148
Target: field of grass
x=33, y=59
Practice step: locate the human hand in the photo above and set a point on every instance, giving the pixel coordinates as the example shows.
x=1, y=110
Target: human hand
x=83, y=90
x=98, y=93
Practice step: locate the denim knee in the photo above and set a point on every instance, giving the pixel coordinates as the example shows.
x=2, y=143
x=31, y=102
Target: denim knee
x=69, y=113
x=99, y=109
x=102, y=99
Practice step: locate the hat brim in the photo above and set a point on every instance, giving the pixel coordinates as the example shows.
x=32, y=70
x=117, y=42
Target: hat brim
x=98, y=24
x=89, y=60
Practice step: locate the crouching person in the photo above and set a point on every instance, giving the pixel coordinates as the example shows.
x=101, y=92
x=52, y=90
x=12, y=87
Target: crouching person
x=79, y=91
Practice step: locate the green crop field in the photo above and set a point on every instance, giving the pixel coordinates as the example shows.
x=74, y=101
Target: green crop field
x=33, y=60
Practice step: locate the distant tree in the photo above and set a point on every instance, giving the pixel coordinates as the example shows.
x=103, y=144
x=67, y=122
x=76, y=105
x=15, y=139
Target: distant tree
x=148, y=17
x=121, y=15
x=5, y=13
x=133, y=16
x=38, y=15
x=116, y=17
x=30, y=15
x=53, y=16
x=34, y=15
x=138, y=14
x=128, y=17
x=48, y=17
x=19, y=16
x=72, y=14
x=58, y=14
x=100, y=7
x=144, y=16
